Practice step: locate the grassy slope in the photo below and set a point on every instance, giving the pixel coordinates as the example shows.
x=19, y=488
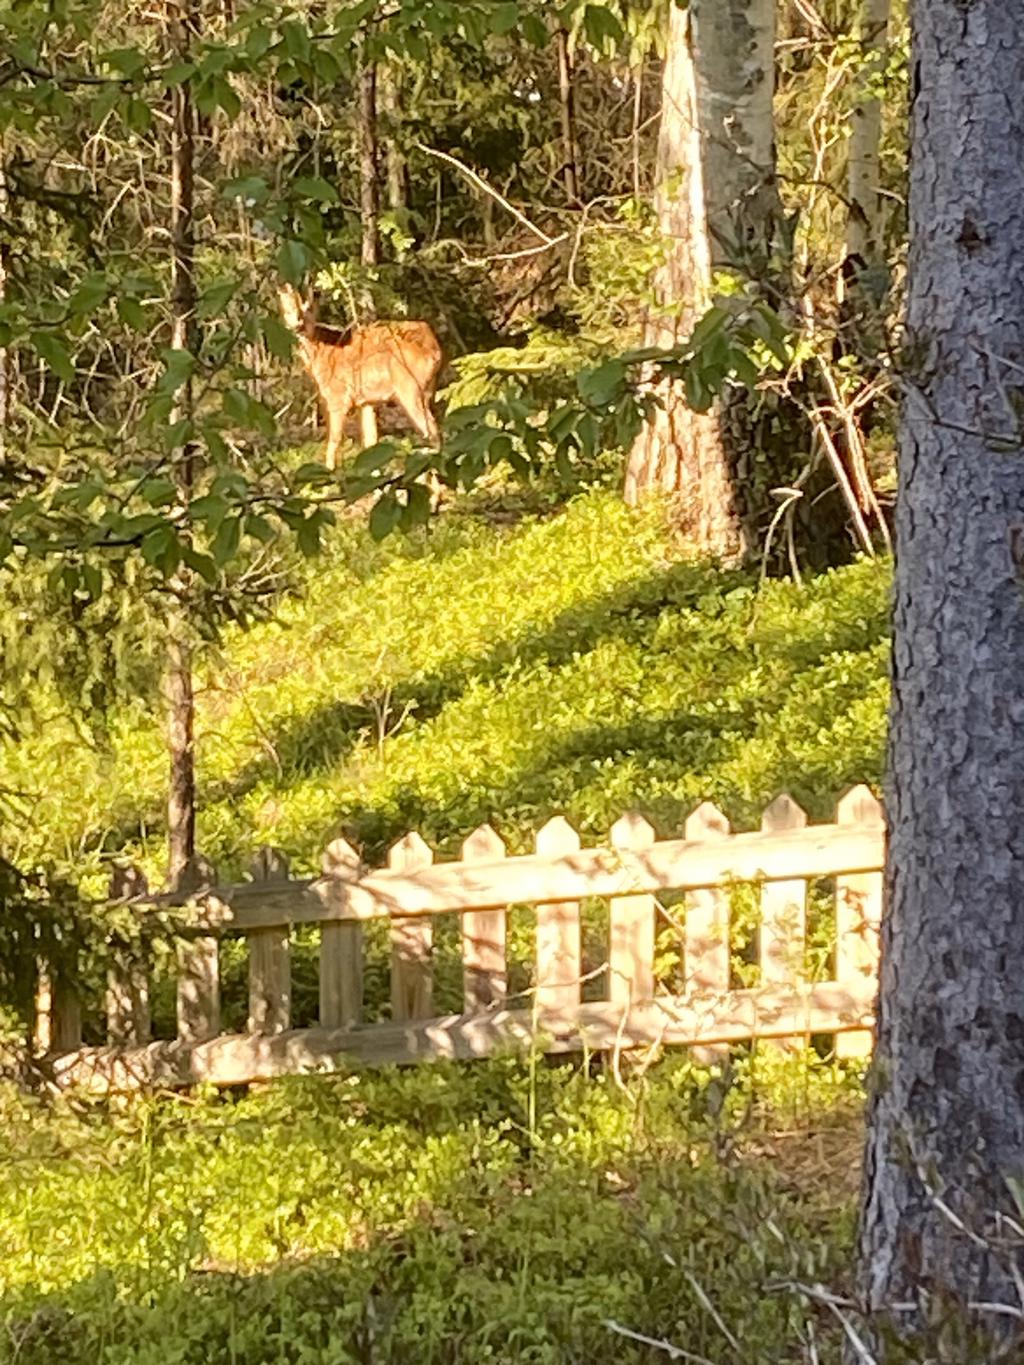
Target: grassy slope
x=570, y=664
x=503, y=1211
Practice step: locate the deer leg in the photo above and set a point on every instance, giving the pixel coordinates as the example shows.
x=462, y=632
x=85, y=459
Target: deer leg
x=335, y=435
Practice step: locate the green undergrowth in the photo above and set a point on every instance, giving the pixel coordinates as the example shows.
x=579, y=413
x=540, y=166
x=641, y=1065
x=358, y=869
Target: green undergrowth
x=507, y=1211
x=572, y=663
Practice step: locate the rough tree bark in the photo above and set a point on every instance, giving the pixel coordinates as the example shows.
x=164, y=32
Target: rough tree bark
x=717, y=206
x=863, y=221
x=390, y=92
x=946, y=1136
x=5, y=355
x=369, y=198
x=180, y=701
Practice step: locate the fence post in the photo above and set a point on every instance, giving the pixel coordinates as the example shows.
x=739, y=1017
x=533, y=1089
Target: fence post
x=198, y=969
x=484, y=973
x=270, y=972
x=706, y=958
x=858, y=918
x=128, y=1018
x=341, y=948
x=631, y=944
x=783, y=928
x=412, y=941
x=559, y=957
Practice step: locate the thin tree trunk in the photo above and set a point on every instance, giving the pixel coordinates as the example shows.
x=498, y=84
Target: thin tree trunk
x=862, y=228
x=369, y=202
x=181, y=801
x=945, y=1149
x=5, y=355
x=397, y=173
x=570, y=157
x=717, y=206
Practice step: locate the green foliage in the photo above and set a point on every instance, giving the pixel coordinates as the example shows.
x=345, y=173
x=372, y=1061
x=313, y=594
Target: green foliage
x=504, y=1211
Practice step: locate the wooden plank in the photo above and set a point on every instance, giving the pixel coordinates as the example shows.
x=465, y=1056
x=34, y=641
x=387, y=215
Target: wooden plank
x=270, y=970
x=706, y=951
x=858, y=915
x=412, y=942
x=559, y=960
x=341, y=948
x=237, y=1059
x=783, y=928
x=817, y=851
x=128, y=1015
x=484, y=972
x=631, y=938
x=198, y=1005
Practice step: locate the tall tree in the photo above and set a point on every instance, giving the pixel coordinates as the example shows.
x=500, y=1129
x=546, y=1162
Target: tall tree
x=863, y=223
x=369, y=194
x=717, y=206
x=181, y=799
x=944, y=1152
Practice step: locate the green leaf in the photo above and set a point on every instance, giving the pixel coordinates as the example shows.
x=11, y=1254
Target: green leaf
x=225, y=542
x=132, y=313
x=248, y=187
x=260, y=529
x=384, y=516
x=159, y=492
x=279, y=338
x=713, y=321
x=89, y=295
x=308, y=537
x=315, y=187
x=416, y=511
x=216, y=446
x=209, y=509
x=602, y=28
x=535, y=30
x=505, y=18
x=745, y=369
x=178, y=367
x=202, y=564
x=293, y=260
x=162, y=549
x=54, y=354
x=215, y=298
x=93, y=579
x=374, y=458
x=603, y=385
x=500, y=448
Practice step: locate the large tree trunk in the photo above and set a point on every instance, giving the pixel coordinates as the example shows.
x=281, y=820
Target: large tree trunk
x=717, y=206
x=390, y=92
x=5, y=355
x=946, y=1139
x=181, y=801
x=863, y=222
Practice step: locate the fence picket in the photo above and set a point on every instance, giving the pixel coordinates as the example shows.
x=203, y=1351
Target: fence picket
x=270, y=971
x=706, y=958
x=783, y=928
x=559, y=957
x=198, y=1006
x=412, y=942
x=631, y=935
x=484, y=973
x=128, y=1017
x=858, y=916
x=341, y=949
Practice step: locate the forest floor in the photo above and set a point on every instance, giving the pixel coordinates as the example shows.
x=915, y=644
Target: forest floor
x=517, y=660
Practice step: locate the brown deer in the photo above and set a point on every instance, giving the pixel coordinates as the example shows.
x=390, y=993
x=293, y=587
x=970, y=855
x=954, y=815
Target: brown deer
x=360, y=367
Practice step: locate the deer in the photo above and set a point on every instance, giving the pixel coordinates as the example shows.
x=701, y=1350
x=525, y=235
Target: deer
x=363, y=366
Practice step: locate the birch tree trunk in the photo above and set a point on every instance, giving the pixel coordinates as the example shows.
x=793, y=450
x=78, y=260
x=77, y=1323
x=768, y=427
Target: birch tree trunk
x=717, y=206
x=180, y=700
x=946, y=1136
x=863, y=222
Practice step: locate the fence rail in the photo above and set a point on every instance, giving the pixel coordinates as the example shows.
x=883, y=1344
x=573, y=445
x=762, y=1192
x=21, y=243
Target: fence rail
x=630, y=873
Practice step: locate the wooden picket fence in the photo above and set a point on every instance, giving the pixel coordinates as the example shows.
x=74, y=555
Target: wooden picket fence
x=779, y=859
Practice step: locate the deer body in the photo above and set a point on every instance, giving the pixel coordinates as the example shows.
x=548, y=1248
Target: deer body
x=365, y=366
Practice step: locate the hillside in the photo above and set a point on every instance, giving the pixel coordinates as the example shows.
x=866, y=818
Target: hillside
x=574, y=662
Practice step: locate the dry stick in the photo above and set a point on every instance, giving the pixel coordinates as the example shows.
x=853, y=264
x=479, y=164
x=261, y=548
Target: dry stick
x=482, y=184
x=656, y=1344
